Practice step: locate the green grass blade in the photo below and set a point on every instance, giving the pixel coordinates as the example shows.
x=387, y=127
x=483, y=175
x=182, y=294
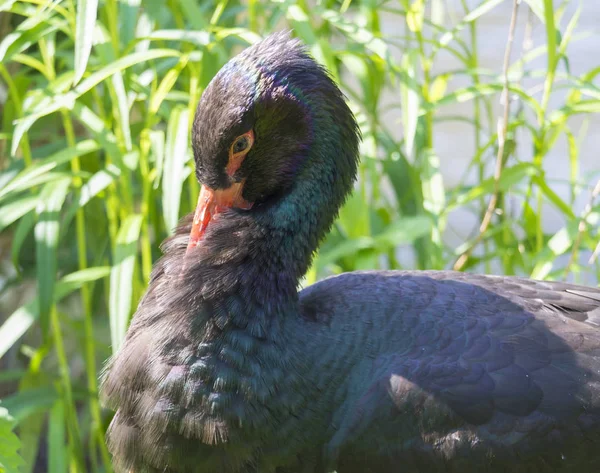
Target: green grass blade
x=18, y=41
x=354, y=217
x=103, y=136
x=434, y=197
x=25, y=178
x=57, y=455
x=511, y=176
x=193, y=13
x=410, y=97
x=123, y=107
x=559, y=244
x=17, y=324
x=537, y=7
x=84, y=34
x=174, y=175
x=129, y=12
x=157, y=147
x=554, y=198
x=121, y=279
x=404, y=231
x=550, y=33
x=198, y=38
x=67, y=100
x=46, y=232
x=12, y=212
x=21, y=232
x=481, y=9
x=7, y=4
x=24, y=317
x=94, y=186
x=28, y=402
x=345, y=248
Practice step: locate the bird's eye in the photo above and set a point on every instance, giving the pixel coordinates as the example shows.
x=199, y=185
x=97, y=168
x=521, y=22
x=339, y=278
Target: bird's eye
x=241, y=144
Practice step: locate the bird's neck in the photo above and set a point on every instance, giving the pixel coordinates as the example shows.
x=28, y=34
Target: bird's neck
x=229, y=324
x=243, y=276
x=255, y=259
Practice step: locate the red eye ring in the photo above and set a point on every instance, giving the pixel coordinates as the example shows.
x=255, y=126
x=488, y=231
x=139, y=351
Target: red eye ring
x=237, y=154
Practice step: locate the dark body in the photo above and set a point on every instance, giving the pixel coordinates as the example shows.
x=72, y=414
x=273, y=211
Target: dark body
x=228, y=368
x=368, y=372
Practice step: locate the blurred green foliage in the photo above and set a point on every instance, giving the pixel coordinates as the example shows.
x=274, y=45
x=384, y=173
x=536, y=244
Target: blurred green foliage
x=96, y=104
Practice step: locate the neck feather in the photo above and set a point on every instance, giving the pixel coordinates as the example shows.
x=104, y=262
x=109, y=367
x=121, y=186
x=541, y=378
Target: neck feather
x=209, y=342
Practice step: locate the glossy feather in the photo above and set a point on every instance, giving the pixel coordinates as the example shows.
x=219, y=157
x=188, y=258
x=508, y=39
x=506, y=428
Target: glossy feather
x=228, y=368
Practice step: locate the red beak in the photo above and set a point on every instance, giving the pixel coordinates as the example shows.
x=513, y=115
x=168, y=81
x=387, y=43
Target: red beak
x=212, y=203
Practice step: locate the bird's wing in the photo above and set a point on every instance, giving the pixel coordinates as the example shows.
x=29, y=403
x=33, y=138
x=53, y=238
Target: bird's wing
x=497, y=363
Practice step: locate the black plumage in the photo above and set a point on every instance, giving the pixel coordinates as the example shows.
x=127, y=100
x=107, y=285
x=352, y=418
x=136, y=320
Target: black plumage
x=228, y=368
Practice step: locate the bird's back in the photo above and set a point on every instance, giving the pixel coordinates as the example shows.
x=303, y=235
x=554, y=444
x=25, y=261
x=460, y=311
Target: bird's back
x=459, y=372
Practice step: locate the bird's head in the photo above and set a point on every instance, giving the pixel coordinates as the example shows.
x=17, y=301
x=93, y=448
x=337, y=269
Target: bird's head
x=269, y=113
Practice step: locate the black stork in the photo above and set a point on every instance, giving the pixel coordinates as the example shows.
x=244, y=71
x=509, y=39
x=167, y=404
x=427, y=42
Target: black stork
x=228, y=368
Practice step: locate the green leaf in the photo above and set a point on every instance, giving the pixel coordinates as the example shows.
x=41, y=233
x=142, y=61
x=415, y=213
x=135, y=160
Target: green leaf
x=123, y=108
x=174, y=175
x=58, y=454
x=530, y=220
x=129, y=15
x=75, y=280
x=249, y=37
x=37, y=180
x=354, y=216
x=23, y=318
x=21, y=39
x=28, y=402
x=68, y=99
x=481, y=90
x=94, y=186
x=10, y=461
x=21, y=232
x=560, y=242
x=166, y=85
x=11, y=375
x=481, y=9
x=12, y=212
x=36, y=174
x=583, y=106
x=84, y=34
x=406, y=230
x=17, y=324
x=414, y=16
x=157, y=146
x=434, y=196
x=46, y=233
x=407, y=184
x=341, y=250
x=103, y=136
x=537, y=7
x=199, y=38
x=438, y=87
x=553, y=197
x=6, y=5
x=550, y=33
x=121, y=279
x=410, y=98
x=193, y=14
x=510, y=177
